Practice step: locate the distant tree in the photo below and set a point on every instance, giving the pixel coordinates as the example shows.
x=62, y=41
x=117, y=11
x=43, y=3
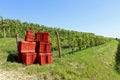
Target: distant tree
x=2, y=26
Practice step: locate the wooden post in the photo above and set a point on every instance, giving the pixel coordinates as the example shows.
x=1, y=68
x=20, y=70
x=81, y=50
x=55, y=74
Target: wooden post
x=58, y=43
x=17, y=39
x=4, y=32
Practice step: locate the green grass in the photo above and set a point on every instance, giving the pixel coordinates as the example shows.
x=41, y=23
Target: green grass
x=96, y=63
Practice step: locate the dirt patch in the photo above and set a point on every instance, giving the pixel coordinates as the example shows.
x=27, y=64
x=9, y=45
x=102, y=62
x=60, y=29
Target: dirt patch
x=15, y=75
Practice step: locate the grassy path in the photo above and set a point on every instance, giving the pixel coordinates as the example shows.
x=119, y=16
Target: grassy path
x=96, y=63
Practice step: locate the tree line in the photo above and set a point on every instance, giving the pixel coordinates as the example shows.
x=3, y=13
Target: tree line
x=68, y=38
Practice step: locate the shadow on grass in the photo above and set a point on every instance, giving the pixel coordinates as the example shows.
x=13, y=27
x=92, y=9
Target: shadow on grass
x=12, y=56
x=117, y=59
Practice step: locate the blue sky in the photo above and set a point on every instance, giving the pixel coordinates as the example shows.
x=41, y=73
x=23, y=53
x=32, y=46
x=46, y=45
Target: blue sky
x=101, y=17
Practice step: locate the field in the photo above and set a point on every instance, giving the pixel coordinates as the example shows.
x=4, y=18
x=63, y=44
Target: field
x=96, y=63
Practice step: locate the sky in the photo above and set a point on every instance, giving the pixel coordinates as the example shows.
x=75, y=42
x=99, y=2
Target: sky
x=101, y=17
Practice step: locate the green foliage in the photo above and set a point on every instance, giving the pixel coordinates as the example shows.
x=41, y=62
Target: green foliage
x=69, y=39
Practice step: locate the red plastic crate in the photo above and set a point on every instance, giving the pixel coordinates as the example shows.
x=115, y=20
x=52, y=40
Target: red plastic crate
x=43, y=47
x=38, y=36
x=20, y=56
x=29, y=38
x=48, y=47
x=40, y=47
x=29, y=32
x=42, y=59
x=46, y=37
x=23, y=46
x=42, y=36
x=31, y=46
x=49, y=58
x=27, y=58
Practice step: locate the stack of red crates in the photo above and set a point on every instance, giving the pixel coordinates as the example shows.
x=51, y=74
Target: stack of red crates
x=43, y=48
x=26, y=49
x=29, y=35
x=32, y=49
